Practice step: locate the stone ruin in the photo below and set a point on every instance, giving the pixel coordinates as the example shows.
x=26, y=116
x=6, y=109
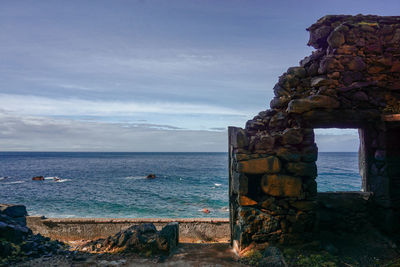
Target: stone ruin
x=352, y=80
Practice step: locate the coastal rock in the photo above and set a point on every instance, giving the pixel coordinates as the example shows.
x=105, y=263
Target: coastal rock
x=143, y=239
x=259, y=166
x=151, y=176
x=13, y=210
x=38, y=178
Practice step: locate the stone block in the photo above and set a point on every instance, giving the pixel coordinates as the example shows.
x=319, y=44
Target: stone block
x=281, y=185
x=246, y=201
x=335, y=39
x=288, y=154
x=238, y=137
x=292, y=136
x=260, y=166
x=264, y=142
x=302, y=168
x=312, y=102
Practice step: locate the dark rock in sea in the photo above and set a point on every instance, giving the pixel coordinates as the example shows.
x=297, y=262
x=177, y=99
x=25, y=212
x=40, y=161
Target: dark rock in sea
x=151, y=176
x=38, y=178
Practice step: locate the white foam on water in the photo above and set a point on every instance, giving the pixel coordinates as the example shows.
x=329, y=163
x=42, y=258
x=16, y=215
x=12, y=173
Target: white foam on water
x=134, y=177
x=62, y=180
x=51, y=178
x=15, y=182
x=217, y=184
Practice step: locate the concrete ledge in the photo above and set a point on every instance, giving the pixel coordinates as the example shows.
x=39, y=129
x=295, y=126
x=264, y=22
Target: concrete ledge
x=70, y=229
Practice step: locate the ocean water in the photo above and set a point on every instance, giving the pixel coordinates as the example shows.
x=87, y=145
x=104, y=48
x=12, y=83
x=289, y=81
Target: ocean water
x=114, y=185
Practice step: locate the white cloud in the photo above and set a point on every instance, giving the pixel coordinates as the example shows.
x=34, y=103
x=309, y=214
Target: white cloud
x=35, y=105
x=45, y=134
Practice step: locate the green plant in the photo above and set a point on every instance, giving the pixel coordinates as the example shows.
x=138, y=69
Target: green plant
x=252, y=257
x=317, y=260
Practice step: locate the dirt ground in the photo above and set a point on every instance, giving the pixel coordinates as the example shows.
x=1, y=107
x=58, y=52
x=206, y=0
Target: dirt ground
x=213, y=254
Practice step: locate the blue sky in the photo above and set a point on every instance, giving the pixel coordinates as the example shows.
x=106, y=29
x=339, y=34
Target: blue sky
x=150, y=75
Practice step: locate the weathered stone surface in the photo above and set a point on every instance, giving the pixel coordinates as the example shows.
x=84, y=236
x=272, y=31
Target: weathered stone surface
x=302, y=168
x=312, y=102
x=260, y=166
x=310, y=154
x=281, y=185
x=239, y=183
x=357, y=64
x=292, y=136
x=304, y=205
x=297, y=71
x=335, y=39
x=272, y=257
x=288, y=154
x=264, y=142
x=240, y=139
x=380, y=155
x=246, y=201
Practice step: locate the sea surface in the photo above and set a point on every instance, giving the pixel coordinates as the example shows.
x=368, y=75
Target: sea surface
x=114, y=185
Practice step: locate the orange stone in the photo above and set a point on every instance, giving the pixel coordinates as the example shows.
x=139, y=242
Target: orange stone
x=246, y=201
x=281, y=185
x=260, y=166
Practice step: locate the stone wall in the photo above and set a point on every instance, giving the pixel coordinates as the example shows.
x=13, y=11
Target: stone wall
x=69, y=229
x=351, y=80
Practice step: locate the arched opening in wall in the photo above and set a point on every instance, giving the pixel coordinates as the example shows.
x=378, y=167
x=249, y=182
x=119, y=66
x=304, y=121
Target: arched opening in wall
x=338, y=160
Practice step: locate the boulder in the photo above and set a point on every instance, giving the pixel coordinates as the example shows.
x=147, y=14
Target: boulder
x=38, y=178
x=13, y=210
x=143, y=239
x=312, y=102
x=14, y=233
x=151, y=176
x=169, y=237
x=281, y=185
x=269, y=164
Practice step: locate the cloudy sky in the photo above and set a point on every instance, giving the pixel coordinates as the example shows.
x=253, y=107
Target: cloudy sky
x=150, y=75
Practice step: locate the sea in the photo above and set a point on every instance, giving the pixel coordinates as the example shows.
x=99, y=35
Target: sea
x=114, y=185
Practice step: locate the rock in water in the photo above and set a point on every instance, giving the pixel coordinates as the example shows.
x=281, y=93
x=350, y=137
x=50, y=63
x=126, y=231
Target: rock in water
x=38, y=178
x=151, y=176
x=206, y=210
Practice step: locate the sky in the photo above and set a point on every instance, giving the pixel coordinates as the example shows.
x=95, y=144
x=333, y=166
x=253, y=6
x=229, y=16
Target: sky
x=148, y=75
